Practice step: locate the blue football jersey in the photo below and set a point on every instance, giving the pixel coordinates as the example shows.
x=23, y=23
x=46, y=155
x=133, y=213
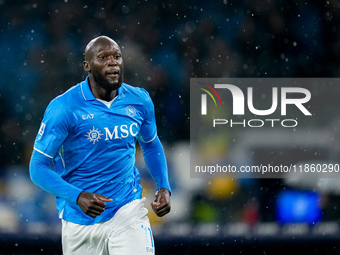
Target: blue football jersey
x=92, y=145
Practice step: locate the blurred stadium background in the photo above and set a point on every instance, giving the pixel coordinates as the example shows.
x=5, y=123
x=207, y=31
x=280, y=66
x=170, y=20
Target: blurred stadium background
x=164, y=43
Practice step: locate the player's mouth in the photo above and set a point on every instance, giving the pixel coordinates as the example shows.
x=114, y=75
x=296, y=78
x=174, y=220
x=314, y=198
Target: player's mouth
x=112, y=73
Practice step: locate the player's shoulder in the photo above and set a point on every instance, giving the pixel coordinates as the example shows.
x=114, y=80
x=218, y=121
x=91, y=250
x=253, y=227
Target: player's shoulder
x=67, y=98
x=138, y=92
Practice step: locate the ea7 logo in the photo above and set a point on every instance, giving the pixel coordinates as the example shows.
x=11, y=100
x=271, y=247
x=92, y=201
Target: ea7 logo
x=238, y=100
x=87, y=116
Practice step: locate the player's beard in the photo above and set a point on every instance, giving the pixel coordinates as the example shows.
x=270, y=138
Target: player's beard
x=105, y=84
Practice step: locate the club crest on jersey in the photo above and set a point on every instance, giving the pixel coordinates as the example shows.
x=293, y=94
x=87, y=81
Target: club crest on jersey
x=131, y=111
x=94, y=135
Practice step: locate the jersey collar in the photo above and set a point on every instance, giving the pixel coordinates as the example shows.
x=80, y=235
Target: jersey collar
x=87, y=93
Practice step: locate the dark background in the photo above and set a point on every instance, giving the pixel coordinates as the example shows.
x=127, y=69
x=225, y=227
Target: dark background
x=164, y=44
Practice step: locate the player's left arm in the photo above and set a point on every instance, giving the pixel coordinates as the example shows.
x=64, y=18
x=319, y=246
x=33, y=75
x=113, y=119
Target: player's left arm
x=154, y=156
x=155, y=161
x=161, y=206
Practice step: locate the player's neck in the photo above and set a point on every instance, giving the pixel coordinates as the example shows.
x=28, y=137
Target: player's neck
x=105, y=95
x=102, y=93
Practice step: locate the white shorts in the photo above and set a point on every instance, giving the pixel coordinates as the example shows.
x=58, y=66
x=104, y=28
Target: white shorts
x=128, y=232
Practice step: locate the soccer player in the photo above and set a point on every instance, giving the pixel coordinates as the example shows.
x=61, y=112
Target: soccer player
x=84, y=154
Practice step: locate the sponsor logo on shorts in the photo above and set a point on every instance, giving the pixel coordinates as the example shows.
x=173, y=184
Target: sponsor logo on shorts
x=148, y=239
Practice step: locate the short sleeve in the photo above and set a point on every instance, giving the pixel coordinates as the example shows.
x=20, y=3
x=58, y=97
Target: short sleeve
x=148, y=130
x=53, y=130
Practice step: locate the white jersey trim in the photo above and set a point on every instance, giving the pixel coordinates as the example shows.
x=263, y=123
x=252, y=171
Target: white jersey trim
x=108, y=104
x=42, y=153
x=82, y=92
x=152, y=139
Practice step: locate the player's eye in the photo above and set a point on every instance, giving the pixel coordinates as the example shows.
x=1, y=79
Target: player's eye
x=102, y=57
x=118, y=56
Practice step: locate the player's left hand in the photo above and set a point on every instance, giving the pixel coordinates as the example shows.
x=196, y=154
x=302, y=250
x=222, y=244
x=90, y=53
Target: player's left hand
x=161, y=206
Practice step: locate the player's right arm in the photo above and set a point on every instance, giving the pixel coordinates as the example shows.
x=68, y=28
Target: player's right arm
x=46, y=178
x=91, y=203
x=55, y=127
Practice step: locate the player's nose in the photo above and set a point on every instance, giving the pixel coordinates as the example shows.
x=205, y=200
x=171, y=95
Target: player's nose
x=111, y=60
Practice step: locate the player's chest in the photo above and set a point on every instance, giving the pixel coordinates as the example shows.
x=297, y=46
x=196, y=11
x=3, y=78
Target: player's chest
x=117, y=124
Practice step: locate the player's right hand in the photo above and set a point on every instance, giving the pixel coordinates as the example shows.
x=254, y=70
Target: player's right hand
x=92, y=204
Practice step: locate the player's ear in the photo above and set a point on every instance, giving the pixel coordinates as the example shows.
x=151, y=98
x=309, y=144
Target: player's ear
x=86, y=66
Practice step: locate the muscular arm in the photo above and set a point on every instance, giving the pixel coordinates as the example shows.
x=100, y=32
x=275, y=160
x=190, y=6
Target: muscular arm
x=49, y=180
x=155, y=160
x=91, y=203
